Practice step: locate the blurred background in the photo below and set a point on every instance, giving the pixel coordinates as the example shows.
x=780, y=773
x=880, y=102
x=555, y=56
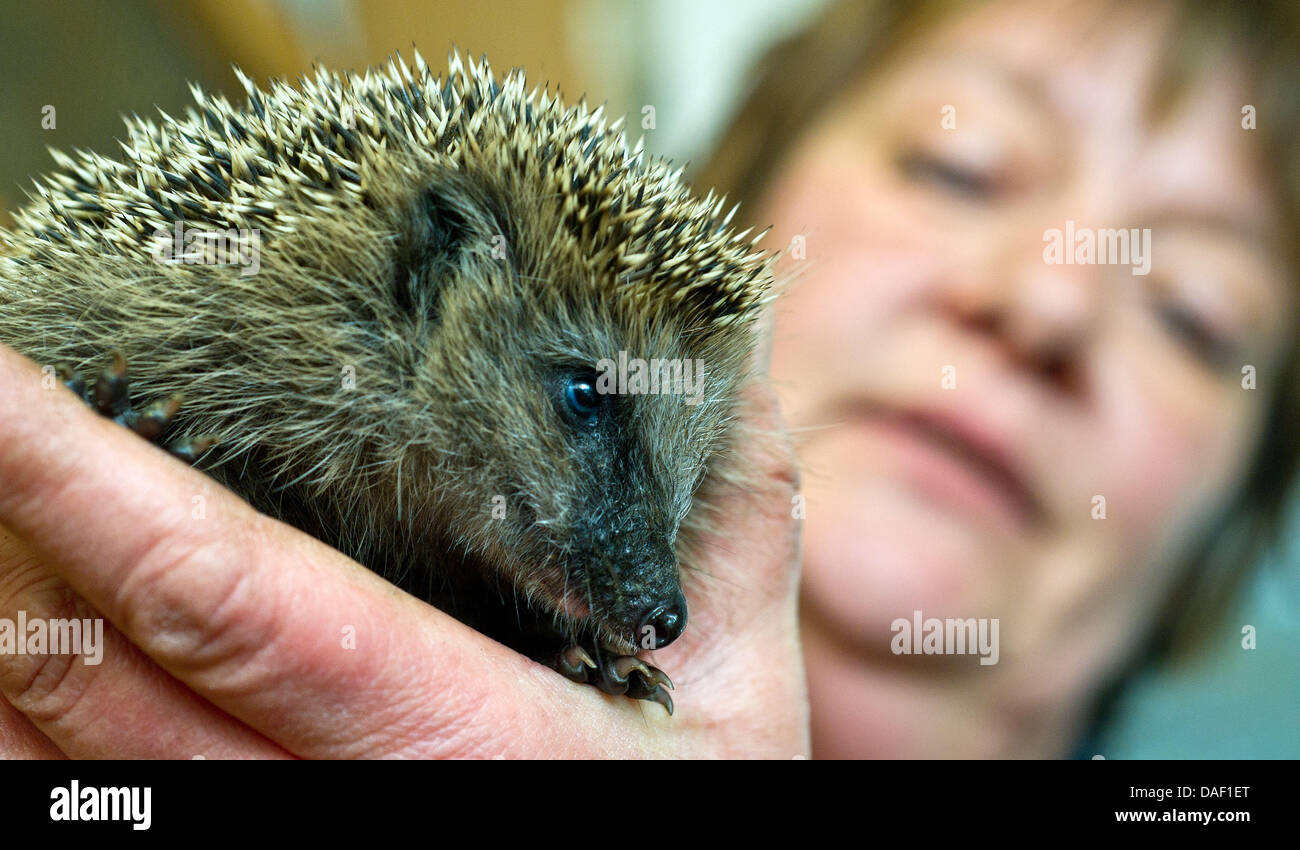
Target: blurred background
x=688, y=59
x=95, y=62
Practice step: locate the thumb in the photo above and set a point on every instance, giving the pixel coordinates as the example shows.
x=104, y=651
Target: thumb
x=741, y=651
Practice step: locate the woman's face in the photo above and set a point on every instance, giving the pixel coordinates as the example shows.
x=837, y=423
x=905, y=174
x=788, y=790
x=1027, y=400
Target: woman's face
x=989, y=434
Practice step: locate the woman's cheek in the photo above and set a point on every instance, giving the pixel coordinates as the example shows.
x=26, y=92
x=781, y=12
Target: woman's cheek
x=852, y=273
x=1167, y=455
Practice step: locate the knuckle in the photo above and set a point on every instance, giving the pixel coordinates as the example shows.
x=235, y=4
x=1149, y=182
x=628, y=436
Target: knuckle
x=53, y=690
x=192, y=603
x=51, y=685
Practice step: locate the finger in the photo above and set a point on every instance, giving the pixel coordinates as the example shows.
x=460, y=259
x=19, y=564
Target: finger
x=20, y=739
x=745, y=526
x=272, y=626
x=100, y=697
x=745, y=550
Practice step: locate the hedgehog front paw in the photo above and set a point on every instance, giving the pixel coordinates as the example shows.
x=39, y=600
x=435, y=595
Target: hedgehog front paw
x=110, y=396
x=620, y=675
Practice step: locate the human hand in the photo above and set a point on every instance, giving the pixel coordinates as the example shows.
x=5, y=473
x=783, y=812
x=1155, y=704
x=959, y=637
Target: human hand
x=234, y=635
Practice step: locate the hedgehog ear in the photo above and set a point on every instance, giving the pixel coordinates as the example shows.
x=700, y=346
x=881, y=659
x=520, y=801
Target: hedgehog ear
x=437, y=230
x=446, y=225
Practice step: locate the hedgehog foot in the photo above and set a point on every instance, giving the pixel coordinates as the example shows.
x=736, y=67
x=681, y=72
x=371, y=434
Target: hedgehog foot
x=620, y=675
x=110, y=396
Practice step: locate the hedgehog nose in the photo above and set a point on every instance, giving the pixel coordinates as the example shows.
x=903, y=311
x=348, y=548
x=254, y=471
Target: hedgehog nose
x=666, y=621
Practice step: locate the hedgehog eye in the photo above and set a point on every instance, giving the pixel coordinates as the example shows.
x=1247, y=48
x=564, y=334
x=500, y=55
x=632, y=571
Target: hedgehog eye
x=582, y=398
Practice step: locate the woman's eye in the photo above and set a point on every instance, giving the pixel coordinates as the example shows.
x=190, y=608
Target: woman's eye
x=948, y=175
x=1198, y=336
x=581, y=398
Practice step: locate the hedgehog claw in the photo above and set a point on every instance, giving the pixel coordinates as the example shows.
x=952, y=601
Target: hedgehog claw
x=573, y=663
x=657, y=677
x=625, y=664
x=661, y=696
x=153, y=422
x=71, y=379
x=190, y=450
x=618, y=675
x=111, y=397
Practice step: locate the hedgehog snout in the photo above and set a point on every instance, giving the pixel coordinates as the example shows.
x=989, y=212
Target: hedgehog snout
x=635, y=586
x=665, y=622
x=653, y=595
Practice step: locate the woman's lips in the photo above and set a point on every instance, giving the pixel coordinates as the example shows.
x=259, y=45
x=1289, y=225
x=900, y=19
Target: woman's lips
x=950, y=459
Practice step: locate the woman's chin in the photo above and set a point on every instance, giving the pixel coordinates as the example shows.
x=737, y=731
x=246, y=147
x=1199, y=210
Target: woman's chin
x=874, y=560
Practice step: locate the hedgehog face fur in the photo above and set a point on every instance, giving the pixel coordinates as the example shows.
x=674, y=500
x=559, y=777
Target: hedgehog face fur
x=409, y=375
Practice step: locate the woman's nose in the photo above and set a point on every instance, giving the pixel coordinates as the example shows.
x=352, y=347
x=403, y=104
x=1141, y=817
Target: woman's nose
x=1045, y=314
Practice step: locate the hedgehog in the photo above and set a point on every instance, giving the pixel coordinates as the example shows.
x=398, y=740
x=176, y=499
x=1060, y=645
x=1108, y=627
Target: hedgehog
x=440, y=322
